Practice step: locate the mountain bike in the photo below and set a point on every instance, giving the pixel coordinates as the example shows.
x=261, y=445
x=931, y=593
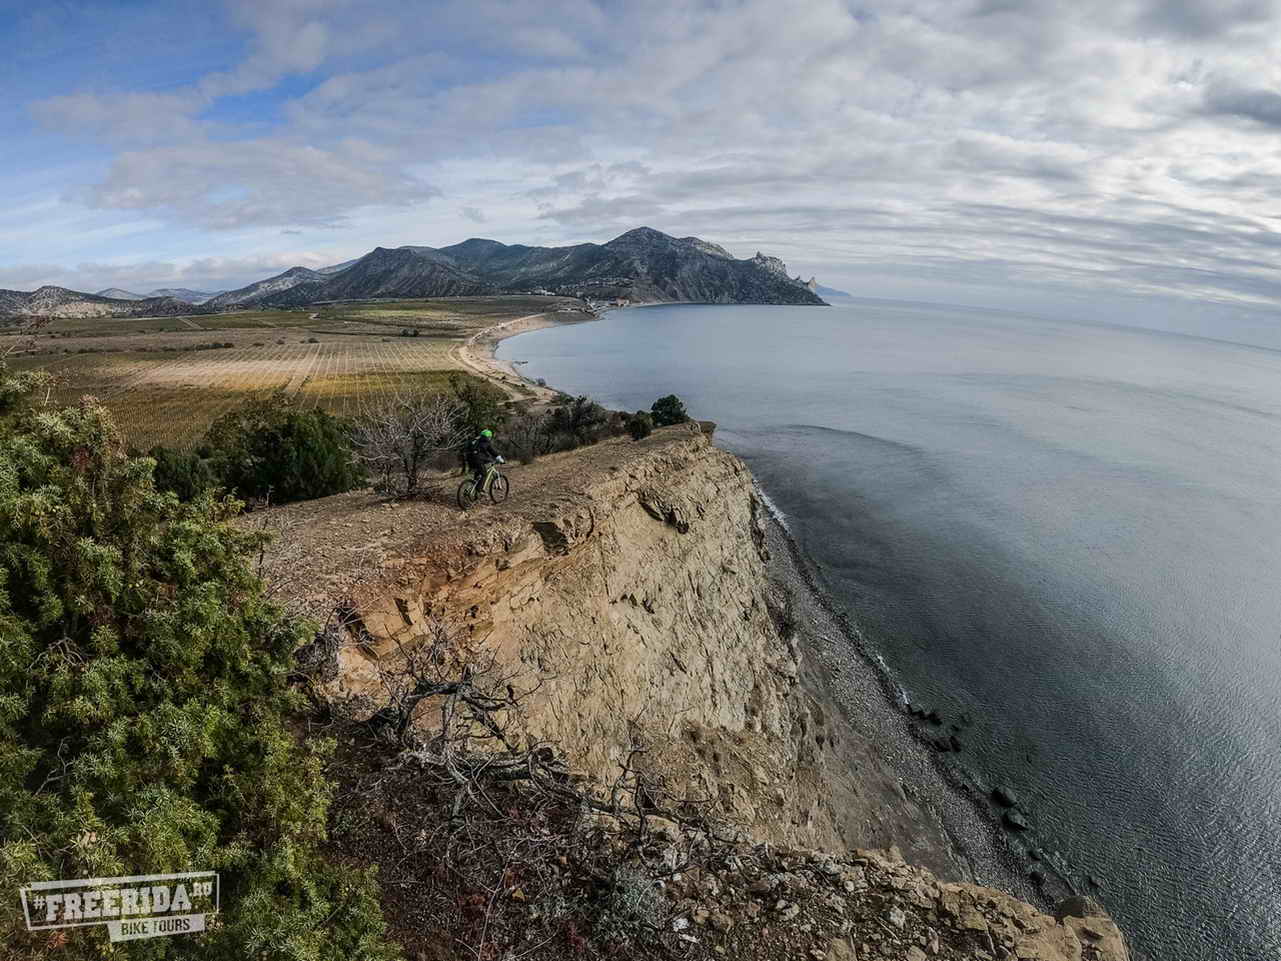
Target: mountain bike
x=494, y=484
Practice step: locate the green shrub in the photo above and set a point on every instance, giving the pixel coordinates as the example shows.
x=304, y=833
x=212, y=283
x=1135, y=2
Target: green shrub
x=185, y=473
x=582, y=420
x=143, y=707
x=526, y=437
x=269, y=448
x=640, y=425
x=669, y=410
x=482, y=403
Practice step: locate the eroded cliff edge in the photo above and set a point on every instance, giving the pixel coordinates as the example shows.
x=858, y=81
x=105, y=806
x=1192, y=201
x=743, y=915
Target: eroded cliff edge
x=630, y=582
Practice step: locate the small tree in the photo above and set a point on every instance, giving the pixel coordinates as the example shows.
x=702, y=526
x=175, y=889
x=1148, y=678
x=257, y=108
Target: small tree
x=397, y=440
x=582, y=419
x=527, y=436
x=482, y=403
x=669, y=410
x=143, y=705
x=269, y=448
x=185, y=473
x=640, y=425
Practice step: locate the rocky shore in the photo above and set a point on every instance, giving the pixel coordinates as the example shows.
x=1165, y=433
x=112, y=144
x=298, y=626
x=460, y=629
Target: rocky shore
x=843, y=673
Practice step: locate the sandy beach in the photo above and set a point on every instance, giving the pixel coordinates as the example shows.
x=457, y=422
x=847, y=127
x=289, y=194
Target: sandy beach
x=476, y=354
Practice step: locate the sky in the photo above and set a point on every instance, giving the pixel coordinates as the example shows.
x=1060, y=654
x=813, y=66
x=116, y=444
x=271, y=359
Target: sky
x=1102, y=156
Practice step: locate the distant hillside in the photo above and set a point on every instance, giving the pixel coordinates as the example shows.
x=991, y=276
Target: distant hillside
x=184, y=293
x=642, y=265
x=262, y=291
x=61, y=302
x=831, y=292
x=177, y=293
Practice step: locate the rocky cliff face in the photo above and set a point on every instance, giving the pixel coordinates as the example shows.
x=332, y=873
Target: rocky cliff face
x=630, y=579
x=641, y=598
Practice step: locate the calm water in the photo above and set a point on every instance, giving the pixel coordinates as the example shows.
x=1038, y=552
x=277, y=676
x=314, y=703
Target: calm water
x=1071, y=532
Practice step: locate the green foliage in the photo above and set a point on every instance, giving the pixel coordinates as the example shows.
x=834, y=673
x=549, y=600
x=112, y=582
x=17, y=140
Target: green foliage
x=482, y=403
x=669, y=410
x=269, y=448
x=526, y=437
x=143, y=707
x=582, y=419
x=185, y=473
x=640, y=425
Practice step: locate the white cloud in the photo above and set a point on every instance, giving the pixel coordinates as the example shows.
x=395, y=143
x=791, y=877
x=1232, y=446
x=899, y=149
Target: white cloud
x=1121, y=141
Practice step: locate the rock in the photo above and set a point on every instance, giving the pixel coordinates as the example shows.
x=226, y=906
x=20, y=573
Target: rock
x=1003, y=796
x=1093, y=882
x=934, y=717
x=1015, y=820
x=915, y=954
x=897, y=917
x=841, y=950
x=764, y=885
x=722, y=922
x=1079, y=906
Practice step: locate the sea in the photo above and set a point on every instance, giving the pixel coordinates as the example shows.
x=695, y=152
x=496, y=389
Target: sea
x=1069, y=531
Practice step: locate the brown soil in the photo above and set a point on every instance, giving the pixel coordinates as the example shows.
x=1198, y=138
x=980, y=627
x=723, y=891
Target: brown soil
x=323, y=548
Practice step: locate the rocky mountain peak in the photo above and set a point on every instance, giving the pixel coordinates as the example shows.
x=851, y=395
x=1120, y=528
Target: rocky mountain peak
x=772, y=264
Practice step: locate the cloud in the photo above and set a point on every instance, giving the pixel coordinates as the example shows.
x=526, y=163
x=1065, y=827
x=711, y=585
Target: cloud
x=265, y=182
x=1104, y=144
x=1261, y=106
x=142, y=117
x=202, y=273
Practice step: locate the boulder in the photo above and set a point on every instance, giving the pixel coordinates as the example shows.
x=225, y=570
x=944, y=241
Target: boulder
x=1079, y=906
x=1015, y=820
x=1003, y=796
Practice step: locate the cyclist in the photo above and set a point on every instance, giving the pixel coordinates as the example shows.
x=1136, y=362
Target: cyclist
x=480, y=454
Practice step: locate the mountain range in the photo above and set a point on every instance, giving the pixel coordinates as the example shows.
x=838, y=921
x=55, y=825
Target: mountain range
x=177, y=293
x=640, y=266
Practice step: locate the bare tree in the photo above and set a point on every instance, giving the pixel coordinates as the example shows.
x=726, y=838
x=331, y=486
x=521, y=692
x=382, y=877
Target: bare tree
x=398, y=439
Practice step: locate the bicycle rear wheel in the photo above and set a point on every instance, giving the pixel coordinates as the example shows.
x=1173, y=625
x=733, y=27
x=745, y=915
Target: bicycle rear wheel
x=498, y=488
x=467, y=493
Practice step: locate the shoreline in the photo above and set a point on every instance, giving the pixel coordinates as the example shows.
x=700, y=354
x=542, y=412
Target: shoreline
x=478, y=354
x=851, y=680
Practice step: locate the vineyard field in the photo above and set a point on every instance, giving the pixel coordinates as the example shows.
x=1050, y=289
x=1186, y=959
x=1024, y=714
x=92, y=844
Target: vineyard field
x=167, y=379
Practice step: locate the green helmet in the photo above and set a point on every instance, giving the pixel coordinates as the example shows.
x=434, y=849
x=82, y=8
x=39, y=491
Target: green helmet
x=486, y=433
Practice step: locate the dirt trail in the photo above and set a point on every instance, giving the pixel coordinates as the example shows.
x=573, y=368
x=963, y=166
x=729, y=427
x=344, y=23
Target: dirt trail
x=323, y=548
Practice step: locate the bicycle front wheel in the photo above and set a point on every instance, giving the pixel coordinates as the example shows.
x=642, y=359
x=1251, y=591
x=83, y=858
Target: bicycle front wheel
x=466, y=494
x=498, y=488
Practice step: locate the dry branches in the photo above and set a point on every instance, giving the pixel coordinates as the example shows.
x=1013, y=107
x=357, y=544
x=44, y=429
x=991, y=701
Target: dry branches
x=398, y=439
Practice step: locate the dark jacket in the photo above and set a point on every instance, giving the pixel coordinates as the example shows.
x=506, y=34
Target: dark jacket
x=480, y=452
